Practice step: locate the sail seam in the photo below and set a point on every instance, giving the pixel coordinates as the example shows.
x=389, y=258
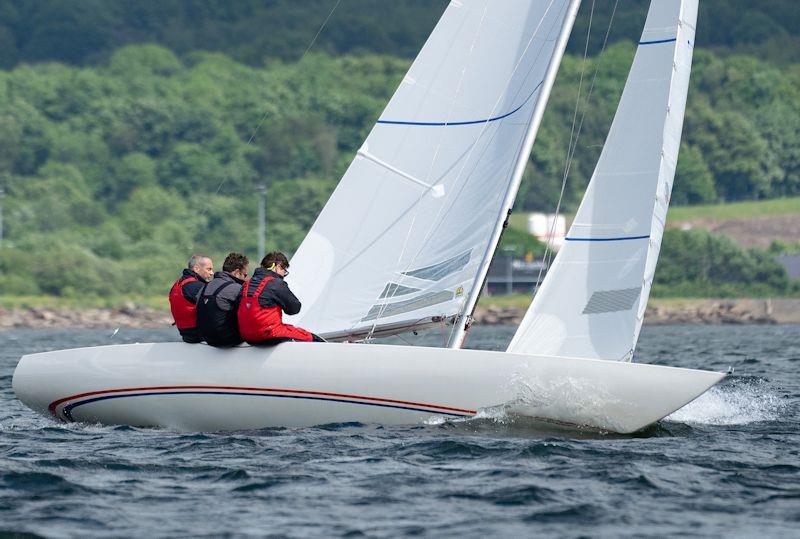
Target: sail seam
x=658, y=41
x=466, y=122
x=621, y=238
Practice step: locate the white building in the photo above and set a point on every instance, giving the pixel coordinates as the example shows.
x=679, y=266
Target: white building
x=549, y=228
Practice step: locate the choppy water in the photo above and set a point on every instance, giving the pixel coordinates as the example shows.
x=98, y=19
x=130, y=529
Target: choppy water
x=727, y=464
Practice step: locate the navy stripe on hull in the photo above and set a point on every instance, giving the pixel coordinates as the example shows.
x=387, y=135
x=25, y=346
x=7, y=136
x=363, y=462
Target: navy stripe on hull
x=67, y=411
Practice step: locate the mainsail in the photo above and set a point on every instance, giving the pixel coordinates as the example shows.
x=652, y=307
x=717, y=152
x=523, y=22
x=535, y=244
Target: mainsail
x=405, y=238
x=592, y=302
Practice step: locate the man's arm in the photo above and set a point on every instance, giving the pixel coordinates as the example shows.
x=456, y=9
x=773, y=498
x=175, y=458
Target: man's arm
x=191, y=291
x=284, y=297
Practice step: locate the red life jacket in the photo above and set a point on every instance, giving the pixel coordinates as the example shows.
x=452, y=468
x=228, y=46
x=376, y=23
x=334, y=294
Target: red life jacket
x=184, y=312
x=257, y=323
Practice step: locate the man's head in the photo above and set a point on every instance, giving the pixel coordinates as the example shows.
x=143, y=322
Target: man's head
x=276, y=262
x=201, y=265
x=236, y=265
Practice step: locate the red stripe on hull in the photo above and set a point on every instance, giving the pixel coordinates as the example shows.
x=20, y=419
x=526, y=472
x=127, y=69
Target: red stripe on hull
x=53, y=405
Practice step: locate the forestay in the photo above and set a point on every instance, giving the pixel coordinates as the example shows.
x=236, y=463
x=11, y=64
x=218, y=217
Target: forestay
x=401, y=241
x=592, y=302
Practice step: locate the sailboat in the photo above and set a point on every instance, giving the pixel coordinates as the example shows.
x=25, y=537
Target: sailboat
x=404, y=244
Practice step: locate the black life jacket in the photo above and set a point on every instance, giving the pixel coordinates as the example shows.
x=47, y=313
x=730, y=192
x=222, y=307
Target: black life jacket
x=216, y=316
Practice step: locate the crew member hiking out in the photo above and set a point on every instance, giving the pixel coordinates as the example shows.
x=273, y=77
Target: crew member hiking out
x=219, y=300
x=183, y=296
x=265, y=297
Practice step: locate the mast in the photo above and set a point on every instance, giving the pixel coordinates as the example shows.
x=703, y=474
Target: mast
x=522, y=160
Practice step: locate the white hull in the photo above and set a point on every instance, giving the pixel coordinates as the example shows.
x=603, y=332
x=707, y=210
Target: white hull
x=200, y=388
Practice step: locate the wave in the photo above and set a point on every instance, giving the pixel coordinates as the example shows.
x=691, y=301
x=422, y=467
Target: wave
x=741, y=401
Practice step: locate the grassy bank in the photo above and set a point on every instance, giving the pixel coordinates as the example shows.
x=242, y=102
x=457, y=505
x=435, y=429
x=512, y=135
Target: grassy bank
x=737, y=210
x=752, y=209
x=90, y=302
x=516, y=301
x=522, y=301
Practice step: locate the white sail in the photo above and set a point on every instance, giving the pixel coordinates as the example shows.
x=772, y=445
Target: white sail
x=403, y=238
x=592, y=302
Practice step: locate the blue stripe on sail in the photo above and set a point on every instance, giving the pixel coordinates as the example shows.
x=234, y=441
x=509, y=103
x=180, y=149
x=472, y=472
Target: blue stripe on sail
x=468, y=122
x=657, y=41
x=67, y=411
x=622, y=238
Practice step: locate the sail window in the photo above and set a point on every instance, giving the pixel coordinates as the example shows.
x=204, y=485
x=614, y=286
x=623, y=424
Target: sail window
x=394, y=289
x=609, y=301
x=391, y=309
x=441, y=270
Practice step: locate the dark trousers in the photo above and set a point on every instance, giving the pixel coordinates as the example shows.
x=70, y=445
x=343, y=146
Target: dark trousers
x=191, y=335
x=279, y=340
x=224, y=343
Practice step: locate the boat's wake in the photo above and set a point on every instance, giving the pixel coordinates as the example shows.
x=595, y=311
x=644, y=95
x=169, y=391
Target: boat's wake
x=738, y=402
x=566, y=403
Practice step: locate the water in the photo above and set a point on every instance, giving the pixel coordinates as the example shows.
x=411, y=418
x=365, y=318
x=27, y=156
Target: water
x=727, y=464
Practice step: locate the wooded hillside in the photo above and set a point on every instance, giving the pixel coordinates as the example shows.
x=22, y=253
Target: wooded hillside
x=252, y=31
x=122, y=161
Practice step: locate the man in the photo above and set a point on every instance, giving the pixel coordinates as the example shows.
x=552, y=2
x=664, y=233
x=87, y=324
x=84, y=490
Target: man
x=183, y=296
x=265, y=297
x=218, y=303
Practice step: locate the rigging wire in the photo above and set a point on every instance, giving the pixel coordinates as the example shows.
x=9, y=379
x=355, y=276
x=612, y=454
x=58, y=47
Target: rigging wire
x=549, y=252
x=573, y=141
x=314, y=40
x=463, y=317
x=266, y=113
x=430, y=170
x=473, y=145
x=594, y=79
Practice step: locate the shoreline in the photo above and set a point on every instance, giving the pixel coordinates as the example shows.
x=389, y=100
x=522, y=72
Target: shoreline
x=659, y=312
x=684, y=311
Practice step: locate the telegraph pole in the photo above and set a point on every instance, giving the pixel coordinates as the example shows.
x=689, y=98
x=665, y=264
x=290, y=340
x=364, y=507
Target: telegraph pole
x=261, y=189
x=2, y=195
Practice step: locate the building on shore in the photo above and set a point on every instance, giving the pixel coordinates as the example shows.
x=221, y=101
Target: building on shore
x=511, y=275
x=549, y=228
x=791, y=263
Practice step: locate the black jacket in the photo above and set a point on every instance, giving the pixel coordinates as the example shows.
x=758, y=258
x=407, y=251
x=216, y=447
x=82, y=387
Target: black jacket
x=276, y=292
x=217, y=304
x=192, y=290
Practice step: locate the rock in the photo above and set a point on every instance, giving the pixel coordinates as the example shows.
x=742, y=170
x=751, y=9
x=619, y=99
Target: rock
x=701, y=311
x=85, y=318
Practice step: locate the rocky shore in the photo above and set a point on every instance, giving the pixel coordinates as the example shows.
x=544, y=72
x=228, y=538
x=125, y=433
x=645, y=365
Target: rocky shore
x=127, y=316
x=690, y=311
